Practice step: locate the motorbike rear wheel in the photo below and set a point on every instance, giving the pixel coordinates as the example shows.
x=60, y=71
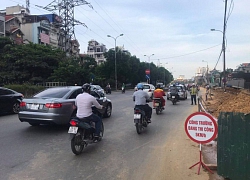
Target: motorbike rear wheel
x=101, y=132
x=157, y=110
x=77, y=143
x=138, y=128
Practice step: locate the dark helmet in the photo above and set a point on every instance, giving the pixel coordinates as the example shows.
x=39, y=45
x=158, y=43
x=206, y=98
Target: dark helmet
x=86, y=88
x=140, y=86
x=158, y=86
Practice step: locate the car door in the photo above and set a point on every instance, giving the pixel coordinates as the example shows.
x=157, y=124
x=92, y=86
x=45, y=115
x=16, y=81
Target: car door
x=6, y=100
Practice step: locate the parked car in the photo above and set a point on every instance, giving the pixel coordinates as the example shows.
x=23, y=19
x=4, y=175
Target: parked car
x=182, y=91
x=9, y=100
x=56, y=106
x=95, y=87
x=149, y=88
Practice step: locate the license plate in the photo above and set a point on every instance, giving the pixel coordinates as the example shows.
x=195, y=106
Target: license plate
x=173, y=97
x=34, y=106
x=137, y=116
x=73, y=129
x=156, y=104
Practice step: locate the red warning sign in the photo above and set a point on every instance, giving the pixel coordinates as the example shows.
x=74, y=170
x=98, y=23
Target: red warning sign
x=201, y=127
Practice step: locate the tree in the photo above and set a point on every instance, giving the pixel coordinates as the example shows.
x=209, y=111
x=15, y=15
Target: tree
x=31, y=63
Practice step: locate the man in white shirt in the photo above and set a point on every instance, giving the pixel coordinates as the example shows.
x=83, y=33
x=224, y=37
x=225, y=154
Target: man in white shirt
x=84, y=104
x=141, y=98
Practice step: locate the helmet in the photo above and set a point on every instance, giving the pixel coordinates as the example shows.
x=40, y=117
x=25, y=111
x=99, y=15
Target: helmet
x=86, y=87
x=158, y=86
x=140, y=86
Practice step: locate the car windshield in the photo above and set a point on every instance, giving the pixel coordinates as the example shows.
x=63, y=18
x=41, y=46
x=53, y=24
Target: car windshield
x=53, y=93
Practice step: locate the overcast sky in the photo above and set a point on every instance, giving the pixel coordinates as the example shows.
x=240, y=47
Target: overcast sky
x=177, y=32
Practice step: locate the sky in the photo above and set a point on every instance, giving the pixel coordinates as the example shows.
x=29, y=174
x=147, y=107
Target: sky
x=177, y=32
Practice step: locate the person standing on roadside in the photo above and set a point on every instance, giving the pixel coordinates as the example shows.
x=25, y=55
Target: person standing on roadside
x=193, y=93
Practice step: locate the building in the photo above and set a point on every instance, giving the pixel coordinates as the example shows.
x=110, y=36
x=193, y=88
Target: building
x=96, y=51
x=36, y=29
x=2, y=25
x=13, y=29
x=244, y=67
x=75, y=50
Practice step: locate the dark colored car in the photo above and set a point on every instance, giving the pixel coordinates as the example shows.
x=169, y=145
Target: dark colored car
x=56, y=106
x=9, y=100
x=95, y=87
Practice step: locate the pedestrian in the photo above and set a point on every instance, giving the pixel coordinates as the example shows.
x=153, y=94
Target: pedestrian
x=193, y=93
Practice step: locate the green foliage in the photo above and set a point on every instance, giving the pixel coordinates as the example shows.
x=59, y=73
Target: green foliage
x=27, y=90
x=34, y=64
x=31, y=63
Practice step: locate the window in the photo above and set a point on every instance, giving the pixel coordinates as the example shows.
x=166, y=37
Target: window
x=75, y=93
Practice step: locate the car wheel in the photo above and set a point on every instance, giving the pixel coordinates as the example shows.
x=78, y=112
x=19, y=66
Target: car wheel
x=108, y=111
x=16, y=107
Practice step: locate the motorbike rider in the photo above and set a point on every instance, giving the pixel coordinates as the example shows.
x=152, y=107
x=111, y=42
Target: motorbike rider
x=159, y=93
x=123, y=87
x=108, y=88
x=84, y=104
x=141, y=98
x=174, y=91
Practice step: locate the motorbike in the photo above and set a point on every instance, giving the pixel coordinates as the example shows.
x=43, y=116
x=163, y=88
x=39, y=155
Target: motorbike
x=140, y=120
x=108, y=90
x=173, y=98
x=123, y=89
x=158, y=105
x=82, y=134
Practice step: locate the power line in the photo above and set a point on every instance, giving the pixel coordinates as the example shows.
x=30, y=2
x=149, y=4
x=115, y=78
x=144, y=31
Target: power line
x=172, y=57
x=118, y=27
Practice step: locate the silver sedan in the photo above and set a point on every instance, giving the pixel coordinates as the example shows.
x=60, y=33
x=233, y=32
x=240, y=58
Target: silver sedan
x=56, y=106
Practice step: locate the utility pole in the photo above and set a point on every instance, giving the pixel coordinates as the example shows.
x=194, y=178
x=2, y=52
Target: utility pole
x=66, y=14
x=224, y=48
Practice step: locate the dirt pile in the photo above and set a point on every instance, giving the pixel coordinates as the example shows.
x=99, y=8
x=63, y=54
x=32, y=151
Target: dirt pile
x=233, y=100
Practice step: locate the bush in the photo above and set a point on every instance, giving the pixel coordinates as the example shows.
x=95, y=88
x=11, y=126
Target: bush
x=26, y=89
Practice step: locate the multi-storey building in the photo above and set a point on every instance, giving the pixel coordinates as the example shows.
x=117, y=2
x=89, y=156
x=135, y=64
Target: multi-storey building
x=96, y=51
x=2, y=25
x=13, y=29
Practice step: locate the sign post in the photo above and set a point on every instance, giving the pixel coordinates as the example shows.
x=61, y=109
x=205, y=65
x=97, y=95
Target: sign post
x=201, y=127
x=147, y=72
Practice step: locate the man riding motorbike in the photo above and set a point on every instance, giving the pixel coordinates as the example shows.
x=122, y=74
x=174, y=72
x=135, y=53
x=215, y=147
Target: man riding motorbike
x=84, y=104
x=141, y=98
x=159, y=93
x=174, y=91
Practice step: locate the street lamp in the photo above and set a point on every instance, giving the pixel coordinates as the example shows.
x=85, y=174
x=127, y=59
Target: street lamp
x=224, y=56
x=223, y=44
x=149, y=64
x=207, y=71
x=115, y=59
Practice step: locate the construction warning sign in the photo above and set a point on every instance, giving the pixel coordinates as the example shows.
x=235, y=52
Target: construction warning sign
x=201, y=127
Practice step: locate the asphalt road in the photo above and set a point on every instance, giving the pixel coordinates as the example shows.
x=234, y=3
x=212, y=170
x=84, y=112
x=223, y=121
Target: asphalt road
x=44, y=153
